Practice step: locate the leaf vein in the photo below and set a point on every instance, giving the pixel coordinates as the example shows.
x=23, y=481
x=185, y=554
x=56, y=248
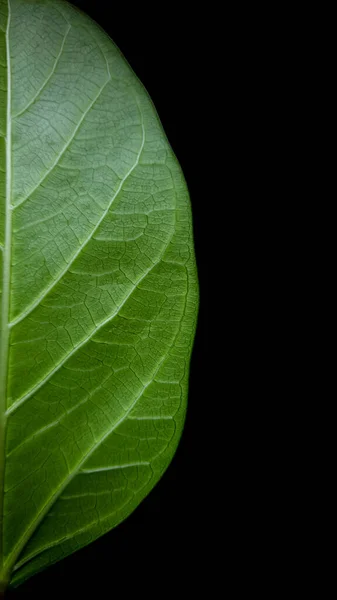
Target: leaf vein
x=65, y=148
x=38, y=301
x=40, y=90
x=29, y=394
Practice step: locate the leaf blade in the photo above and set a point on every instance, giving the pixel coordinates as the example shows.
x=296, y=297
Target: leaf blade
x=101, y=338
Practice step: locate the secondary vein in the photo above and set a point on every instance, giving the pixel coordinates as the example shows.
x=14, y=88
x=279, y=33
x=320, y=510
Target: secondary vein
x=43, y=86
x=53, y=284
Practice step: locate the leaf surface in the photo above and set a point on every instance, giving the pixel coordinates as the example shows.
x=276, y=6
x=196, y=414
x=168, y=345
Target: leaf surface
x=98, y=287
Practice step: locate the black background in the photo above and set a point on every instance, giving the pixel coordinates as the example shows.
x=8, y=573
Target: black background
x=160, y=547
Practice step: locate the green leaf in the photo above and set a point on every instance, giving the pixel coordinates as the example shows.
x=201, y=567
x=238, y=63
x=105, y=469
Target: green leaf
x=98, y=282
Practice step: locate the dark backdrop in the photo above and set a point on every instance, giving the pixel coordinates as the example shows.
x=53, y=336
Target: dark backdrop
x=160, y=547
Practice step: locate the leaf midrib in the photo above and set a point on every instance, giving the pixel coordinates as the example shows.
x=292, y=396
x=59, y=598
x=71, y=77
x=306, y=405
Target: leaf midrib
x=5, y=298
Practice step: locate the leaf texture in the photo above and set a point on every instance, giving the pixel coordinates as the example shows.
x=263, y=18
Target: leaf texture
x=98, y=281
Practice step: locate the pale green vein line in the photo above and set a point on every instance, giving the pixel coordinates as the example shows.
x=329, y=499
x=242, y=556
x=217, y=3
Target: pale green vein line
x=33, y=436
x=113, y=468
x=40, y=221
x=157, y=418
x=65, y=148
x=33, y=554
x=40, y=90
x=5, y=299
x=54, y=497
x=58, y=421
x=29, y=394
x=66, y=538
x=38, y=301
x=42, y=549
x=11, y=560
x=94, y=494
